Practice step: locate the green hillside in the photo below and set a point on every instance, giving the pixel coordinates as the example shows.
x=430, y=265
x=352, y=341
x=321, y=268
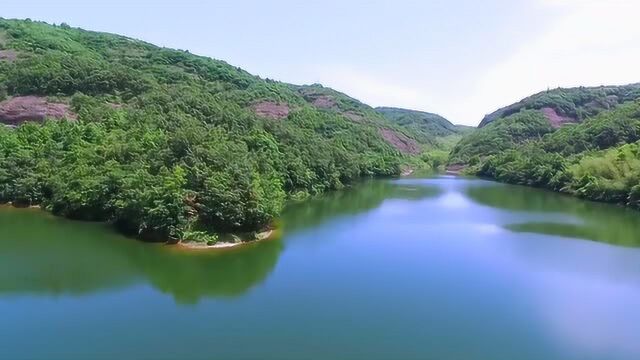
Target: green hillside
x=570, y=104
x=597, y=158
x=535, y=116
x=505, y=133
x=170, y=145
x=431, y=128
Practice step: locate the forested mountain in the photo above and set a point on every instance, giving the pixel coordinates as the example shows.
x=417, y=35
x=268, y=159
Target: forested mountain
x=597, y=158
x=170, y=145
x=569, y=105
x=537, y=115
x=432, y=128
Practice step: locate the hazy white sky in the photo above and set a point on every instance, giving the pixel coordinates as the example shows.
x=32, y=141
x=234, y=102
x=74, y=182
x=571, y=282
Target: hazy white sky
x=459, y=58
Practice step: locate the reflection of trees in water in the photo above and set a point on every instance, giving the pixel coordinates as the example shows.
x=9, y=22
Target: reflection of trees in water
x=599, y=222
x=225, y=273
x=358, y=199
x=42, y=254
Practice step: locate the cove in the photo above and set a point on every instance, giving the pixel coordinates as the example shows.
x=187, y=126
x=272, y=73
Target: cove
x=418, y=268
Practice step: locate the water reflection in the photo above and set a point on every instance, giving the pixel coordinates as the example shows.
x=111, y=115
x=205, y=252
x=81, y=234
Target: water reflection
x=358, y=199
x=553, y=214
x=433, y=267
x=41, y=254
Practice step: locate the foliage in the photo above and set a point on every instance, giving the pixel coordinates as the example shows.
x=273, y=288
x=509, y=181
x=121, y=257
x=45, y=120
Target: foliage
x=166, y=144
x=500, y=136
x=610, y=128
x=575, y=103
x=598, y=159
x=432, y=129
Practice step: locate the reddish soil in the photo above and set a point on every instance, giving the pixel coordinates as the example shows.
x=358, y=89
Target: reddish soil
x=271, y=110
x=32, y=108
x=323, y=102
x=555, y=119
x=400, y=141
x=355, y=117
x=8, y=55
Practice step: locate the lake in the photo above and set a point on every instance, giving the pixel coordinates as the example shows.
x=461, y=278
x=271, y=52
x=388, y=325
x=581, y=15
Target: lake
x=436, y=268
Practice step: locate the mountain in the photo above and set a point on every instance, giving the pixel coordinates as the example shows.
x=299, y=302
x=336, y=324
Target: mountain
x=166, y=144
x=431, y=128
x=403, y=138
x=538, y=115
x=569, y=105
x=597, y=157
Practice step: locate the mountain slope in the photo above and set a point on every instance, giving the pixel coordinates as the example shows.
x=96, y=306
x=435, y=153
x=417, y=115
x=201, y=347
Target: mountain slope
x=170, y=145
x=597, y=158
x=404, y=139
x=537, y=115
x=431, y=128
x=569, y=105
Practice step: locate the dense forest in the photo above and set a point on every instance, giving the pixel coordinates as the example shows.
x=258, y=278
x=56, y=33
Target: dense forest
x=438, y=134
x=570, y=104
x=594, y=152
x=167, y=145
x=432, y=128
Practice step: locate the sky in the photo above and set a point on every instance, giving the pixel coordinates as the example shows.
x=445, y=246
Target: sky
x=459, y=58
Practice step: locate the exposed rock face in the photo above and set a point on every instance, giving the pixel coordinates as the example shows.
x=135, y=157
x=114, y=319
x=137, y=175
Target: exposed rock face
x=8, y=55
x=400, y=141
x=555, y=119
x=19, y=109
x=587, y=101
x=324, y=102
x=355, y=117
x=271, y=110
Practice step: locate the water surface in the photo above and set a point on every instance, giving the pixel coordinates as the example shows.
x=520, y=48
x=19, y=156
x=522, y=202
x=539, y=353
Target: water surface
x=440, y=268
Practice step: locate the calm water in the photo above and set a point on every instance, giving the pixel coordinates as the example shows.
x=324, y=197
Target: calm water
x=441, y=268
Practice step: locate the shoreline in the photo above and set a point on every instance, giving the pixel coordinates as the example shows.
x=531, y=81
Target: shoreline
x=454, y=169
x=192, y=245
x=407, y=172
x=189, y=245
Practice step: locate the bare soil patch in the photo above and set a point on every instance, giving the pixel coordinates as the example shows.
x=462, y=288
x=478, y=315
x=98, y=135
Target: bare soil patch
x=400, y=141
x=271, y=110
x=323, y=101
x=355, y=117
x=19, y=109
x=8, y=55
x=556, y=120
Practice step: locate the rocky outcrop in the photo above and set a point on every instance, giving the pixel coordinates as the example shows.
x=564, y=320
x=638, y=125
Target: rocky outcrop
x=355, y=117
x=8, y=55
x=271, y=110
x=400, y=141
x=555, y=119
x=324, y=102
x=19, y=109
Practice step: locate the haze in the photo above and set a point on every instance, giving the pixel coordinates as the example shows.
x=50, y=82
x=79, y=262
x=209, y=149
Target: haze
x=461, y=59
